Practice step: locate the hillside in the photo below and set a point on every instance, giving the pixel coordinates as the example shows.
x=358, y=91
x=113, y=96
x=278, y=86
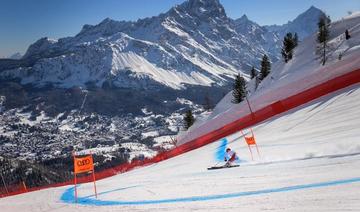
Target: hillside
x=120, y=88
x=308, y=155
x=286, y=79
x=307, y=162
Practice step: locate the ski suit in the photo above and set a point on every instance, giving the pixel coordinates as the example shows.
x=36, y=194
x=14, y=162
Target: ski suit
x=230, y=156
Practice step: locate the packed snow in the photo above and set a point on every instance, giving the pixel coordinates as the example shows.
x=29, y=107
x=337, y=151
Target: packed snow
x=308, y=159
x=286, y=79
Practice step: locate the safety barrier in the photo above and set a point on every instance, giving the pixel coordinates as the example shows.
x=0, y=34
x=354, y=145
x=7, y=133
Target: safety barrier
x=235, y=126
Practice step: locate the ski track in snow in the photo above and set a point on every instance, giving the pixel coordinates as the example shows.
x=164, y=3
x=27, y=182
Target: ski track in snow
x=68, y=196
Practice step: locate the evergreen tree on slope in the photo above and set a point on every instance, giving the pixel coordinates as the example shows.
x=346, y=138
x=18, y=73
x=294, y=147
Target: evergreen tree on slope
x=239, y=90
x=188, y=119
x=323, y=37
x=289, y=44
x=265, y=67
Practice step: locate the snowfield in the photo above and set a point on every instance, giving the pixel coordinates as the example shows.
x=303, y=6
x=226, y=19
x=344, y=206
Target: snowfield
x=286, y=79
x=310, y=159
x=309, y=156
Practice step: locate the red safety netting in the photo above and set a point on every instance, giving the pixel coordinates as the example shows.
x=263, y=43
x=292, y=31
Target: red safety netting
x=230, y=128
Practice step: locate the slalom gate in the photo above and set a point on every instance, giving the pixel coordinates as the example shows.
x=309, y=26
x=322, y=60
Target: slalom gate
x=83, y=165
x=241, y=123
x=250, y=141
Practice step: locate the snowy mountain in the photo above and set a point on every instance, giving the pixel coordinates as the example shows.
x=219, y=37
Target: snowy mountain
x=259, y=35
x=304, y=25
x=308, y=159
x=286, y=79
x=124, y=86
x=194, y=43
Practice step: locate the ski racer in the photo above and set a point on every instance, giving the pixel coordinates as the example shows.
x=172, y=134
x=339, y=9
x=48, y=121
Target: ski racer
x=230, y=156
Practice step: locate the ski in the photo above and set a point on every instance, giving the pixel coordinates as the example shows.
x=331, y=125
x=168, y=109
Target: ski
x=222, y=167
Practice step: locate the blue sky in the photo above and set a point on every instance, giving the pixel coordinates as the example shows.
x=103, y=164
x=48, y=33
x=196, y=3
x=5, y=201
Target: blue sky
x=22, y=22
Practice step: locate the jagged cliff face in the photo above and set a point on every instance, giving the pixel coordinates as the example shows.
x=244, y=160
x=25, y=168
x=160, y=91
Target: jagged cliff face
x=194, y=43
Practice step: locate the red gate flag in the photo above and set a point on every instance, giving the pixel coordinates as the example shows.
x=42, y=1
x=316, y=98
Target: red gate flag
x=250, y=141
x=84, y=164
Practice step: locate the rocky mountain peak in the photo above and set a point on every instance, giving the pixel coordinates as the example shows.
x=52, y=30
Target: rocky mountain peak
x=39, y=46
x=311, y=13
x=305, y=24
x=244, y=22
x=193, y=37
x=211, y=8
x=105, y=28
x=313, y=9
x=243, y=18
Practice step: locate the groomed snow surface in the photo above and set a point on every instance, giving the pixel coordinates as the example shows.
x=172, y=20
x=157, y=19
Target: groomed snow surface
x=310, y=156
x=310, y=159
x=304, y=71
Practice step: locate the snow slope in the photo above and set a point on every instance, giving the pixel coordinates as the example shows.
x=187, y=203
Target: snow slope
x=309, y=162
x=310, y=158
x=287, y=79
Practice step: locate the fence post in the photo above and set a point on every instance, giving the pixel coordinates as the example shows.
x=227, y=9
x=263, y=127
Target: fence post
x=24, y=185
x=2, y=177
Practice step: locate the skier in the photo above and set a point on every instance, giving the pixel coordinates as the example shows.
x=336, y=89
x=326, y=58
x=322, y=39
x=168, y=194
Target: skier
x=230, y=156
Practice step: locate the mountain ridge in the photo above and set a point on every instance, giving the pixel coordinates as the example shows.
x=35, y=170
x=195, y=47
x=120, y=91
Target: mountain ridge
x=304, y=24
x=192, y=43
x=124, y=86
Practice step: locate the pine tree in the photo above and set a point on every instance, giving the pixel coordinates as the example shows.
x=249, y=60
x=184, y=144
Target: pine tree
x=188, y=119
x=323, y=37
x=253, y=73
x=265, y=67
x=347, y=35
x=289, y=44
x=239, y=90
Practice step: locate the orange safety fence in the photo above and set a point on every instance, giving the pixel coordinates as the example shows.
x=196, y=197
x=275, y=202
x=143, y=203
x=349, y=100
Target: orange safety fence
x=230, y=128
